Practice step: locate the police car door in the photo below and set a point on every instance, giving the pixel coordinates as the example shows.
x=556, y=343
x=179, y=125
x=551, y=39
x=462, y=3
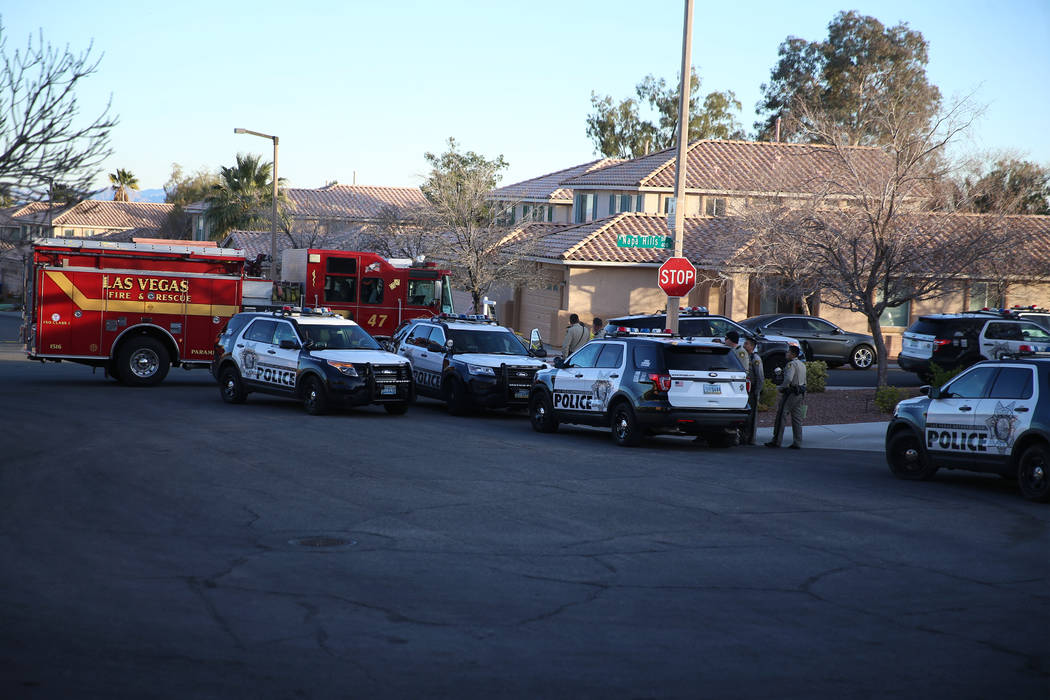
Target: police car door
x=951, y=430
x=606, y=374
x=1000, y=338
x=250, y=351
x=1007, y=412
x=429, y=362
x=572, y=384
x=285, y=361
x=1034, y=336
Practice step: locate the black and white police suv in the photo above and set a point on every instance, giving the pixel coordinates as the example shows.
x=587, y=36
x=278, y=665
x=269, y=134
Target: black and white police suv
x=993, y=417
x=469, y=361
x=645, y=383
x=960, y=340
x=316, y=356
x=695, y=321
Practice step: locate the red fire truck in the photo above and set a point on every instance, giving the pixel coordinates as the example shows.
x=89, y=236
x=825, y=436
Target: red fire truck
x=134, y=309
x=375, y=292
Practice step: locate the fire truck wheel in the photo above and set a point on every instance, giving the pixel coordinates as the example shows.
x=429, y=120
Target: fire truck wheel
x=314, y=400
x=231, y=387
x=143, y=362
x=396, y=409
x=456, y=397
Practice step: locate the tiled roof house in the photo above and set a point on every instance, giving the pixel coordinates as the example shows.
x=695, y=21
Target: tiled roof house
x=88, y=218
x=545, y=198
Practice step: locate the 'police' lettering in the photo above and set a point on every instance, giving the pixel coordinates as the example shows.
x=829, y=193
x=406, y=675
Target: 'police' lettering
x=572, y=401
x=957, y=440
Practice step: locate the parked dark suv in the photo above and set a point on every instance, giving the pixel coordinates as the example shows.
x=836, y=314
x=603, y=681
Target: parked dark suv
x=821, y=340
x=696, y=322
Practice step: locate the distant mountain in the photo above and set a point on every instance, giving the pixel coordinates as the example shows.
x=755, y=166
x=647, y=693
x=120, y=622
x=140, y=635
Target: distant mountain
x=155, y=195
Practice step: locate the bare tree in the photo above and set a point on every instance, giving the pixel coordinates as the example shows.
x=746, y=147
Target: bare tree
x=402, y=233
x=42, y=136
x=868, y=232
x=472, y=231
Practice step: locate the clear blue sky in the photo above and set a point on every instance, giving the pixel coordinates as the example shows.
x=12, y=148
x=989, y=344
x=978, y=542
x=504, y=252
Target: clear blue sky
x=370, y=86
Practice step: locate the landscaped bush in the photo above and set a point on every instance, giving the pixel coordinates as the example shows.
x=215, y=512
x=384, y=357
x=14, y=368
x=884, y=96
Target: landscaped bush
x=816, y=376
x=768, y=398
x=942, y=376
x=887, y=398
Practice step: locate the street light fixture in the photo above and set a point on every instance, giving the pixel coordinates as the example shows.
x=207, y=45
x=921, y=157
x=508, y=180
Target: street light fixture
x=273, y=212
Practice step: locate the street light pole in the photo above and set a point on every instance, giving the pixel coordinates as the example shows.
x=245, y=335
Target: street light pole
x=680, y=159
x=273, y=211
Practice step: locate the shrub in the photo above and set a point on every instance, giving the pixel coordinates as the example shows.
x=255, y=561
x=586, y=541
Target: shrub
x=940, y=377
x=887, y=398
x=816, y=376
x=768, y=397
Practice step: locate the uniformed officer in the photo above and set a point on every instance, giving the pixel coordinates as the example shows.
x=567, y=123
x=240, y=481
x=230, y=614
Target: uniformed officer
x=576, y=336
x=733, y=341
x=756, y=373
x=792, y=401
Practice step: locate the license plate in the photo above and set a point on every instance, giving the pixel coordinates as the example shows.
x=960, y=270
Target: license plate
x=521, y=394
x=712, y=388
x=388, y=389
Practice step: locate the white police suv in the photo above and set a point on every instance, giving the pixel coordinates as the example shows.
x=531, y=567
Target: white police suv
x=315, y=356
x=993, y=417
x=469, y=361
x=645, y=383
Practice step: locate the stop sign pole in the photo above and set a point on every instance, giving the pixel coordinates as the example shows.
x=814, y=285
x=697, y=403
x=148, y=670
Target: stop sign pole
x=683, y=145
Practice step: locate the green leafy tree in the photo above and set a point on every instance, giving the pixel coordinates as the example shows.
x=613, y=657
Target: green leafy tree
x=860, y=66
x=182, y=189
x=243, y=196
x=43, y=133
x=619, y=129
x=1013, y=186
x=468, y=228
x=122, y=181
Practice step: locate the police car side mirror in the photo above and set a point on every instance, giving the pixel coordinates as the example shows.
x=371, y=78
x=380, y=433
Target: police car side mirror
x=288, y=344
x=434, y=346
x=538, y=352
x=931, y=391
x=559, y=363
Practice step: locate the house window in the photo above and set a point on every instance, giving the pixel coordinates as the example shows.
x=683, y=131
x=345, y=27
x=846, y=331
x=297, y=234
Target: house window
x=550, y=213
x=668, y=205
x=895, y=315
x=584, y=208
x=612, y=204
x=69, y=232
x=525, y=209
x=715, y=206
x=984, y=295
x=638, y=203
x=625, y=202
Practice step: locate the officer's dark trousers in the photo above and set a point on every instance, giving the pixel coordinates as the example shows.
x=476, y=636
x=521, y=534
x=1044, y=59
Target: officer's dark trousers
x=790, y=405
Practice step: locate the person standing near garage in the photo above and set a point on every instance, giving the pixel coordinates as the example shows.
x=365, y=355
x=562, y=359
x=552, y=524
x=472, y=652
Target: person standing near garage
x=756, y=373
x=576, y=336
x=792, y=401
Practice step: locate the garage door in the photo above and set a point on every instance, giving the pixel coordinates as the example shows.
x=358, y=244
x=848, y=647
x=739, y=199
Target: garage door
x=539, y=304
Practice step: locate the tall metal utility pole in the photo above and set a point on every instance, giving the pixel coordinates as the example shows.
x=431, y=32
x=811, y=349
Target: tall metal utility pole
x=680, y=159
x=273, y=212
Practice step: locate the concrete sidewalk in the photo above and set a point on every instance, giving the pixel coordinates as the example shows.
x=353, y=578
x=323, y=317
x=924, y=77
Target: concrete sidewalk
x=867, y=437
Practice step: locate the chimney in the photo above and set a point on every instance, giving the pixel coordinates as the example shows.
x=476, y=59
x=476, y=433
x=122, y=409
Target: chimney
x=778, y=138
x=778, y=130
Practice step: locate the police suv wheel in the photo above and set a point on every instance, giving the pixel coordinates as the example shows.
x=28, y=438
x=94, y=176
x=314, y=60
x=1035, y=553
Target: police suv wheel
x=906, y=458
x=1033, y=473
x=863, y=357
x=396, y=409
x=625, y=429
x=314, y=400
x=143, y=362
x=456, y=398
x=541, y=413
x=231, y=387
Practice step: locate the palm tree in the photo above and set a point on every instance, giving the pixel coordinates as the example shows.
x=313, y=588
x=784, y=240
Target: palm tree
x=243, y=196
x=123, y=181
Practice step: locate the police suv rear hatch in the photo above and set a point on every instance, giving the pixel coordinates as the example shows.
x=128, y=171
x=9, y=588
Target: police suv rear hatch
x=703, y=376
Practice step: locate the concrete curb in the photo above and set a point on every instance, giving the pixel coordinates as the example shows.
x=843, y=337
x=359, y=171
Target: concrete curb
x=866, y=437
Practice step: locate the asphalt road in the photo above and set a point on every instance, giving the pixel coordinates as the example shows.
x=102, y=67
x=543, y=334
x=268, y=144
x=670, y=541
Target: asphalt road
x=159, y=543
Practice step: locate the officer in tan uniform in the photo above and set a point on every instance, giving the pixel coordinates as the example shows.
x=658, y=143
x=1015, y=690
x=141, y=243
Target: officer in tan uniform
x=792, y=401
x=756, y=374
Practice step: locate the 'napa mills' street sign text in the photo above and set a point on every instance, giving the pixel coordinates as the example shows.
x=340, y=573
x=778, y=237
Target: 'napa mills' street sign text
x=628, y=240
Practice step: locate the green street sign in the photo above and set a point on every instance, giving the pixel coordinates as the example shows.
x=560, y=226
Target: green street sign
x=633, y=241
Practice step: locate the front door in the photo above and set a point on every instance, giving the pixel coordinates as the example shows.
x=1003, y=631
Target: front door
x=1006, y=412
x=572, y=384
x=951, y=432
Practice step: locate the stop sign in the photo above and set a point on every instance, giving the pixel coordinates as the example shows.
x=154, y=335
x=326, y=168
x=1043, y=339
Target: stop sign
x=677, y=277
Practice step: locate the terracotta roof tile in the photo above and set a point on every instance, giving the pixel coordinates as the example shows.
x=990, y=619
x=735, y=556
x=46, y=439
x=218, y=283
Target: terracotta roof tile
x=105, y=214
x=352, y=202
x=548, y=188
x=735, y=166
x=255, y=242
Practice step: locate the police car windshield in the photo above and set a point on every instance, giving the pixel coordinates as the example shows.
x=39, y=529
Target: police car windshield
x=488, y=342
x=338, y=337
